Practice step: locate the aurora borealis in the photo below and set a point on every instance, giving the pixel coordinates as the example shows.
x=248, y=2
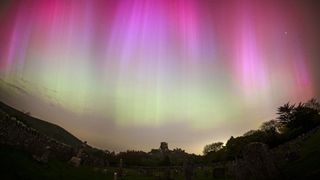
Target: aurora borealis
x=128, y=74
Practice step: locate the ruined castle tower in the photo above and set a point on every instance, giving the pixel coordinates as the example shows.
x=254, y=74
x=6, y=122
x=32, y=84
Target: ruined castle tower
x=164, y=147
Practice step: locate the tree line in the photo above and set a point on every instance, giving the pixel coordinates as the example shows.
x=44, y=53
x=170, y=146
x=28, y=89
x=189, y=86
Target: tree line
x=292, y=121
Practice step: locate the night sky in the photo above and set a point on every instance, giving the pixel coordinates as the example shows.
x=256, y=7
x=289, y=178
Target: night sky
x=129, y=74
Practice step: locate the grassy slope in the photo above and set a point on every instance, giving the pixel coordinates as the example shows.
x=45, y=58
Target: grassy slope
x=43, y=127
x=308, y=166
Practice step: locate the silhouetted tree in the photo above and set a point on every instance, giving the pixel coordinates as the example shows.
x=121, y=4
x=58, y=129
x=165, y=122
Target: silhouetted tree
x=285, y=113
x=292, y=121
x=271, y=131
x=272, y=125
x=297, y=119
x=214, y=147
x=303, y=117
x=313, y=104
x=249, y=133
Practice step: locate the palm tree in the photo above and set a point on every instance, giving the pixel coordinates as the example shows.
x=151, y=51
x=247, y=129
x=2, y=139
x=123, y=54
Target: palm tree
x=285, y=113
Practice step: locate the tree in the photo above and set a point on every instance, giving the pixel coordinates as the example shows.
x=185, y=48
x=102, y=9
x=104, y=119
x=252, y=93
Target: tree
x=250, y=132
x=313, y=104
x=304, y=117
x=272, y=125
x=285, y=113
x=214, y=147
x=299, y=118
x=271, y=132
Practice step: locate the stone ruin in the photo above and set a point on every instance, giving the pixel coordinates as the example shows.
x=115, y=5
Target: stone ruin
x=164, y=147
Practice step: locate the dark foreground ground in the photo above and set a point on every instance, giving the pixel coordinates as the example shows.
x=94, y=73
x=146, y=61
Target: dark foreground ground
x=15, y=164
x=18, y=165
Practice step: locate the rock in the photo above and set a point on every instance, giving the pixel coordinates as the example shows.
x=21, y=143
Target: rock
x=75, y=161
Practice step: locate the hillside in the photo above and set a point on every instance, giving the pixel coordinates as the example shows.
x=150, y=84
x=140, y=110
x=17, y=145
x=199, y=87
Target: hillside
x=307, y=166
x=46, y=128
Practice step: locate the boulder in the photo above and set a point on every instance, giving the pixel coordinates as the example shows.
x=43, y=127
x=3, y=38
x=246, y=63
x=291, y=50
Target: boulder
x=75, y=161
